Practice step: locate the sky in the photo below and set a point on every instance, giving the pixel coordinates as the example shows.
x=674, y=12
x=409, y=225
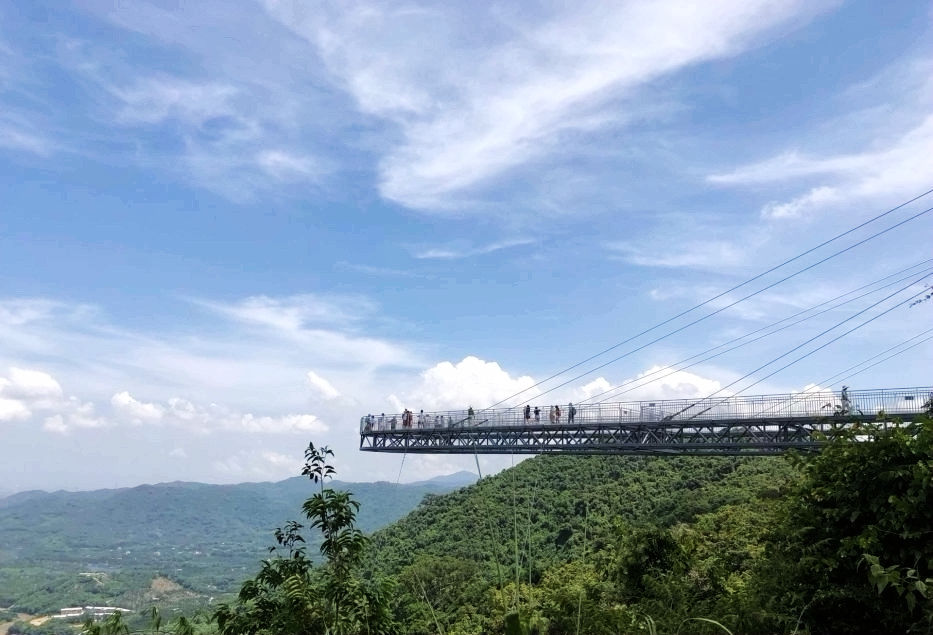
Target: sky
x=229, y=229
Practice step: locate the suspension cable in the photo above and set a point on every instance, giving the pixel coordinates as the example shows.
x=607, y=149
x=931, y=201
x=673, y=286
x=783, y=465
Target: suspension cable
x=789, y=402
x=808, y=353
x=672, y=370
x=730, y=290
x=709, y=315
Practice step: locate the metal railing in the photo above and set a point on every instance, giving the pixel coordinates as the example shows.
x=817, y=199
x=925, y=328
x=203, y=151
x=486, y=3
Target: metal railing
x=893, y=401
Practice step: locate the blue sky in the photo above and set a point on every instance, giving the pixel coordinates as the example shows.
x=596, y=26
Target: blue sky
x=229, y=228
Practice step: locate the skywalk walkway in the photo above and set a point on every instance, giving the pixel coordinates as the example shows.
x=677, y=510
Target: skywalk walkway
x=763, y=424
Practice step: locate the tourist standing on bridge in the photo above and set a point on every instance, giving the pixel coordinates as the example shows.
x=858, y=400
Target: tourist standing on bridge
x=470, y=414
x=552, y=415
x=557, y=412
x=571, y=412
x=527, y=414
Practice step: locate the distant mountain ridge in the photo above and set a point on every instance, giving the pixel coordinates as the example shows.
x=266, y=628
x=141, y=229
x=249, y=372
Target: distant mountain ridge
x=457, y=479
x=207, y=537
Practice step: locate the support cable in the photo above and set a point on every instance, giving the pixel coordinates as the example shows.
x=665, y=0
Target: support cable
x=676, y=366
x=789, y=402
x=730, y=290
x=836, y=379
x=805, y=355
x=709, y=357
x=705, y=317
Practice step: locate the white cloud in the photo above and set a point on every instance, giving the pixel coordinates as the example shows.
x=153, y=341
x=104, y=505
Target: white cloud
x=595, y=387
x=475, y=382
x=274, y=458
x=285, y=424
x=30, y=384
x=286, y=166
x=380, y=271
x=73, y=413
x=657, y=382
x=18, y=137
x=257, y=464
x=55, y=423
x=28, y=393
x=322, y=386
x=24, y=391
x=476, y=95
x=216, y=418
x=178, y=453
x=295, y=313
x=709, y=254
x=83, y=415
x=155, y=99
x=225, y=127
x=138, y=412
x=676, y=385
x=453, y=252
x=16, y=312
x=814, y=199
x=878, y=171
x=471, y=381
x=12, y=409
x=325, y=325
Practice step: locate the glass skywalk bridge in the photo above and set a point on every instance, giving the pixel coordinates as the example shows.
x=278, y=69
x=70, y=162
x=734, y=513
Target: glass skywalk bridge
x=761, y=424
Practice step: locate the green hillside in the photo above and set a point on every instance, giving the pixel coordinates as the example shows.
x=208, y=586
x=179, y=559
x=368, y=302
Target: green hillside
x=832, y=542
x=562, y=520
x=829, y=542
x=206, y=538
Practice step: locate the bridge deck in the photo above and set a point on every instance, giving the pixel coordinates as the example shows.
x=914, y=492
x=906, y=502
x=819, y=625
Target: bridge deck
x=762, y=424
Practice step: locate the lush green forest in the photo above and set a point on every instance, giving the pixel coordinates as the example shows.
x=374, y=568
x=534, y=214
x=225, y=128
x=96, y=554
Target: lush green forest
x=839, y=541
x=835, y=542
x=625, y=538
x=107, y=546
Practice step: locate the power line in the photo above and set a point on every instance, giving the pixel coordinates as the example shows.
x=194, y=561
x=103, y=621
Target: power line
x=749, y=334
x=716, y=312
x=730, y=290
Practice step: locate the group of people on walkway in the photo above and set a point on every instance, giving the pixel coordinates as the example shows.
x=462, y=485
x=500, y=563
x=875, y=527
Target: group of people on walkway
x=381, y=422
x=554, y=414
x=409, y=420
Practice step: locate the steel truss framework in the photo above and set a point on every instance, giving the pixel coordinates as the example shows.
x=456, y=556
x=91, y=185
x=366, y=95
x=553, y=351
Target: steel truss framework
x=749, y=435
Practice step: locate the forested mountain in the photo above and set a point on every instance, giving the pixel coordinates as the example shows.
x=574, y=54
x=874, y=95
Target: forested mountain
x=820, y=543
x=570, y=527
x=206, y=538
x=833, y=542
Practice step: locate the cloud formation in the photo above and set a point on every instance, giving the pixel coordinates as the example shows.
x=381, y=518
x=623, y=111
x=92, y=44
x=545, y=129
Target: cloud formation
x=472, y=103
x=471, y=381
x=29, y=394
x=456, y=251
x=884, y=170
x=687, y=253
x=321, y=386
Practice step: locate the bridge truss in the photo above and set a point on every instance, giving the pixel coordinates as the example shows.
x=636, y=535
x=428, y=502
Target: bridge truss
x=754, y=425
